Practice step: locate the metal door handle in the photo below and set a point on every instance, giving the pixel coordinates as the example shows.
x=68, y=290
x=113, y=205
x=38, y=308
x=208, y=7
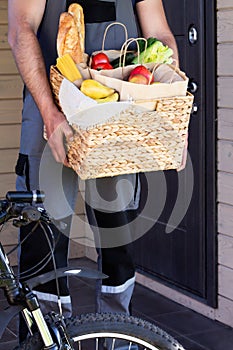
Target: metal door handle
x=192, y=86
x=193, y=35
x=194, y=109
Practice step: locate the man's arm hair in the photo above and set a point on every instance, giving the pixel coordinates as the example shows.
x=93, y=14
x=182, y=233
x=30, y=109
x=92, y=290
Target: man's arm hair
x=24, y=18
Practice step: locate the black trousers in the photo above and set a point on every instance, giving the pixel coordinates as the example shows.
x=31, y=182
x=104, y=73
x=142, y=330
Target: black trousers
x=116, y=262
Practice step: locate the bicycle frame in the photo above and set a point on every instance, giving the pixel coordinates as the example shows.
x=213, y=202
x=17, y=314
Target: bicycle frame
x=56, y=333
x=20, y=296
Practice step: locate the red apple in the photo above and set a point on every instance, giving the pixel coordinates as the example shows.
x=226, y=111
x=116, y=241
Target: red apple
x=99, y=58
x=138, y=79
x=143, y=71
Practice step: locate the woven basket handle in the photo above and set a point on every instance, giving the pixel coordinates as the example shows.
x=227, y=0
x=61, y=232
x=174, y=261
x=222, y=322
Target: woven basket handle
x=108, y=27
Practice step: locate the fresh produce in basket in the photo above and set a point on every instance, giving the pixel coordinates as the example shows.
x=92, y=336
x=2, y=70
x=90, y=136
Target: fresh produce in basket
x=138, y=79
x=100, y=61
x=125, y=59
x=111, y=98
x=150, y=50
x=145, y=131
x=141, y=75
x=95, y=90
x=153, y=51
x=103, y=65
x=99, y=58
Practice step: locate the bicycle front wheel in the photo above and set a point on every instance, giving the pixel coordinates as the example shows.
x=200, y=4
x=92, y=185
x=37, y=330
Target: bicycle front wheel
x=113, y=332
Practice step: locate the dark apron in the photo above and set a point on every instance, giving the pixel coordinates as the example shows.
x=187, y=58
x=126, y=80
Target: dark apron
x=35, y=155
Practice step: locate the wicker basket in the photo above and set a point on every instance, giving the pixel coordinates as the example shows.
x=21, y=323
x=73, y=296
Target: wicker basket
x=132, y=141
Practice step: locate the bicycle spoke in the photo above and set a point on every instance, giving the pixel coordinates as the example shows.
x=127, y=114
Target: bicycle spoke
x=113, y=343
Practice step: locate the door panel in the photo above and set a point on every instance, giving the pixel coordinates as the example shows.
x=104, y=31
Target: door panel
x=185, y=257
x=175, y=11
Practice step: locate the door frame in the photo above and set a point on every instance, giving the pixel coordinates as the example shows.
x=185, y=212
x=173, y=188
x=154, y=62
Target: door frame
x=211, y=151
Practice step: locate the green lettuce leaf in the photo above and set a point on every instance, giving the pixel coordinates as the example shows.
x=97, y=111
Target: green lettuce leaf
x=156, y=52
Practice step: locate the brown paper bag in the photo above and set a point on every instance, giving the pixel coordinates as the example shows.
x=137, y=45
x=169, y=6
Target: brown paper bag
x=171, y=82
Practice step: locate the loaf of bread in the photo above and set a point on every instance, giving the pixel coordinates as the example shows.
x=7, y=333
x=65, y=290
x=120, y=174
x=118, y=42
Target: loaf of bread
x=71, y=33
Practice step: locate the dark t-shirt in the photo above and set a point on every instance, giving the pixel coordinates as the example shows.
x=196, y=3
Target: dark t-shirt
x=135, y=1
x=98, y=11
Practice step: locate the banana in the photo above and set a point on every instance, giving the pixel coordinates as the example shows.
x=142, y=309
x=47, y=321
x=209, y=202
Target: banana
x=111, y=98
x=94, y=89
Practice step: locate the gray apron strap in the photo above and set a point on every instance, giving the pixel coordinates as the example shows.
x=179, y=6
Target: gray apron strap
x=47, y=34
x=116, y=34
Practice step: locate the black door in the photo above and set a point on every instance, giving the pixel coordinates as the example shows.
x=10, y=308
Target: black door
x=179, y=248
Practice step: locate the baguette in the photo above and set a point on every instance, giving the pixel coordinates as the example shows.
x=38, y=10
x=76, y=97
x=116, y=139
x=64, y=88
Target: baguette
x=71, y=33
x=77, y=12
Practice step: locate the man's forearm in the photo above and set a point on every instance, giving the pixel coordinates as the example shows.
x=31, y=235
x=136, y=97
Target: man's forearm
x=169, y=40
x=30, y=63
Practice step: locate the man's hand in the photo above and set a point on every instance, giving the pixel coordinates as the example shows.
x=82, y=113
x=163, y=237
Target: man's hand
x=185, y=154
x=58, y=130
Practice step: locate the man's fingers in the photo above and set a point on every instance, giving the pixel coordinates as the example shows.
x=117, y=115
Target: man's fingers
x=56, y=142
x=68, y=133
x=184, y=156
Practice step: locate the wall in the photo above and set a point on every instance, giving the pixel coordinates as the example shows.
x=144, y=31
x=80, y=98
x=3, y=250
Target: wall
x=10, y=107
x=10, y=114
x=225, y=159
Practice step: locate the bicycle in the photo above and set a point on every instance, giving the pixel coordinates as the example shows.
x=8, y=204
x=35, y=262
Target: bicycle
x=52, y=331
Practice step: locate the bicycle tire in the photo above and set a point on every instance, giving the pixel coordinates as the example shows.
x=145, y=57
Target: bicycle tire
x=111, y=326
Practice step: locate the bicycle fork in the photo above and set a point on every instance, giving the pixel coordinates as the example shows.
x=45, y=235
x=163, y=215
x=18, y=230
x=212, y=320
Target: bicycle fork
x=22, y=295
x=55, y=321
x=33, y=312
x=17, y=295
